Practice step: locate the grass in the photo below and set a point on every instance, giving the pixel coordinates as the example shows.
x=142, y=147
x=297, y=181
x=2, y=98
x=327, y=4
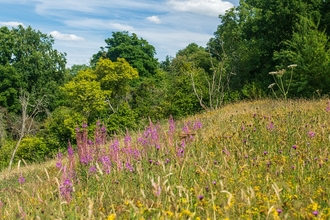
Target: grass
x=264, y=159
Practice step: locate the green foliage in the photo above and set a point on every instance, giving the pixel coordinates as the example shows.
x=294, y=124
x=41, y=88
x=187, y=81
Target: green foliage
x=252, y=91
x=114, y=78
x=5, y=153
x=136, y=51
x=10, y=81
x=149, y=97
x=253, y=34
x=33, y=149
x=123, y=119
x=309, y=49
x=85, y=94
x=60, y=127
x=28, y=62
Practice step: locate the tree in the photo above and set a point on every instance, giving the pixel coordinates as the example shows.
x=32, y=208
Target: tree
x=136, y=51
x=309, y=49
x=28, y=62
x=92, y=92
x=29, y=112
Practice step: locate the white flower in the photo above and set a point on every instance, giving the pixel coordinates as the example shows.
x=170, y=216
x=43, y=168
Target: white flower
x=271, y=85
x=292, y=66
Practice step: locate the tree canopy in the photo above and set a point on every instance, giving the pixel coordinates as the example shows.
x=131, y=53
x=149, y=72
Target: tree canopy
x=28, y=62
x=136, y=51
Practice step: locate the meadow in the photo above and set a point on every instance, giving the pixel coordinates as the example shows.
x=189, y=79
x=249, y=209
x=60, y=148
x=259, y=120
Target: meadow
x=262, y=159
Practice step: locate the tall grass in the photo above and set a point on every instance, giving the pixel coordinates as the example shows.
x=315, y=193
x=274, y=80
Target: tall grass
x=252, y=160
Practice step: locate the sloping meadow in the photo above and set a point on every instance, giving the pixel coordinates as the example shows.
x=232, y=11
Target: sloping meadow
x=250, y=160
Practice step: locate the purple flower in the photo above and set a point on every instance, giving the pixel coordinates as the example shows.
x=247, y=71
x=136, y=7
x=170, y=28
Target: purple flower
x=265, y=152
x=311, y=134
x=84, y=125
x=197, y=125
x=315, y=213
x=279, y=211
x=200, y=197
x=92, y=169
x=21, y=179
x=59, y=164
x=214, y=182
x=271, y=126
x=70, y=151
x=294, y=147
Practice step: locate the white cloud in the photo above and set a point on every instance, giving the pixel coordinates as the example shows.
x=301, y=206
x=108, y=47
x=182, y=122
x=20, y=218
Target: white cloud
x=71, y=37
x=99, y=24
x=11, y=23
x=205, y=7
x=154, y=19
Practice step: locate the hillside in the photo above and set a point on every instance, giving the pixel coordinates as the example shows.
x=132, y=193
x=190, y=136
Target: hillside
x=250, y=160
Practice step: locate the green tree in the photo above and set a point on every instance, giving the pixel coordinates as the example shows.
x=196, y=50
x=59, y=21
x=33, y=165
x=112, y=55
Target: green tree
x=136, y=51
x=309, y=49
x=98, y=92
x=28, y=62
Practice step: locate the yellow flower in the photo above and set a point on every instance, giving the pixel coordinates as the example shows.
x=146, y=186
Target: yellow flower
x=111, y=217
x=169, y=213
x=186, y=212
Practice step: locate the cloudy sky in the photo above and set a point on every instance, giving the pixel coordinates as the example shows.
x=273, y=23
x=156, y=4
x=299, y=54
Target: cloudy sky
x=81, y=26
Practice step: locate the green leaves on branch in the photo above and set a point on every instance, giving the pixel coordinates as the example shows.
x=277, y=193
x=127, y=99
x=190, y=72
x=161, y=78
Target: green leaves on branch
x=92, y=91
x=28, y=62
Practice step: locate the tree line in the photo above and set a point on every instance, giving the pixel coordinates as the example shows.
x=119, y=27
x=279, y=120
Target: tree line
x=124, y=86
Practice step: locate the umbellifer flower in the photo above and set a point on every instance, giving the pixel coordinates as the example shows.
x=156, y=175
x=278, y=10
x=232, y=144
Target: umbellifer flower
x=292, y=66
x=271, y=85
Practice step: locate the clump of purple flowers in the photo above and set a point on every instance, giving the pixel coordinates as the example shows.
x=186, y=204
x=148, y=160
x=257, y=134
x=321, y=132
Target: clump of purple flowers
x=21, y=179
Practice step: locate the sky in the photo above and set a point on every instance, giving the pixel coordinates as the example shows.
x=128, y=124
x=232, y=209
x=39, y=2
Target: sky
x=80, y=27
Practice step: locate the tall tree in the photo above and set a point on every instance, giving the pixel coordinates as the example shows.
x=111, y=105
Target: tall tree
x=29, y=62
x=136, y=51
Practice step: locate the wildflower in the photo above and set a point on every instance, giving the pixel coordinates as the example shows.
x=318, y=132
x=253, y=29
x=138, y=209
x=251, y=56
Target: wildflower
x=59, y=164
x=311, y=134
x=279, y=211
x=214, y=182
x=271, y=85
x=66, y=188
x=271, y=126
x=201, y=197
x=92, y=169
x=111, y=217
x=294, y=147
x=328, y=108
x=265, y=152
x=21, y=179
x=315, y=213
x=84, y=125
x=70, y=151
x=292, y=66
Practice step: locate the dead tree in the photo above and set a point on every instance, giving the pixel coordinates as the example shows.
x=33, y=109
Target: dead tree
x=29, y=112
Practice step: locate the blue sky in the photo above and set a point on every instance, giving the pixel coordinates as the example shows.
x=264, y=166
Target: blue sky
x=81, y=26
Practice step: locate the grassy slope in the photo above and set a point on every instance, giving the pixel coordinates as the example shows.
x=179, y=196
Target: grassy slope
x=250, y=160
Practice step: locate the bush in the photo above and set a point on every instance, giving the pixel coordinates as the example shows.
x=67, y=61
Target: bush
x=32, y=149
